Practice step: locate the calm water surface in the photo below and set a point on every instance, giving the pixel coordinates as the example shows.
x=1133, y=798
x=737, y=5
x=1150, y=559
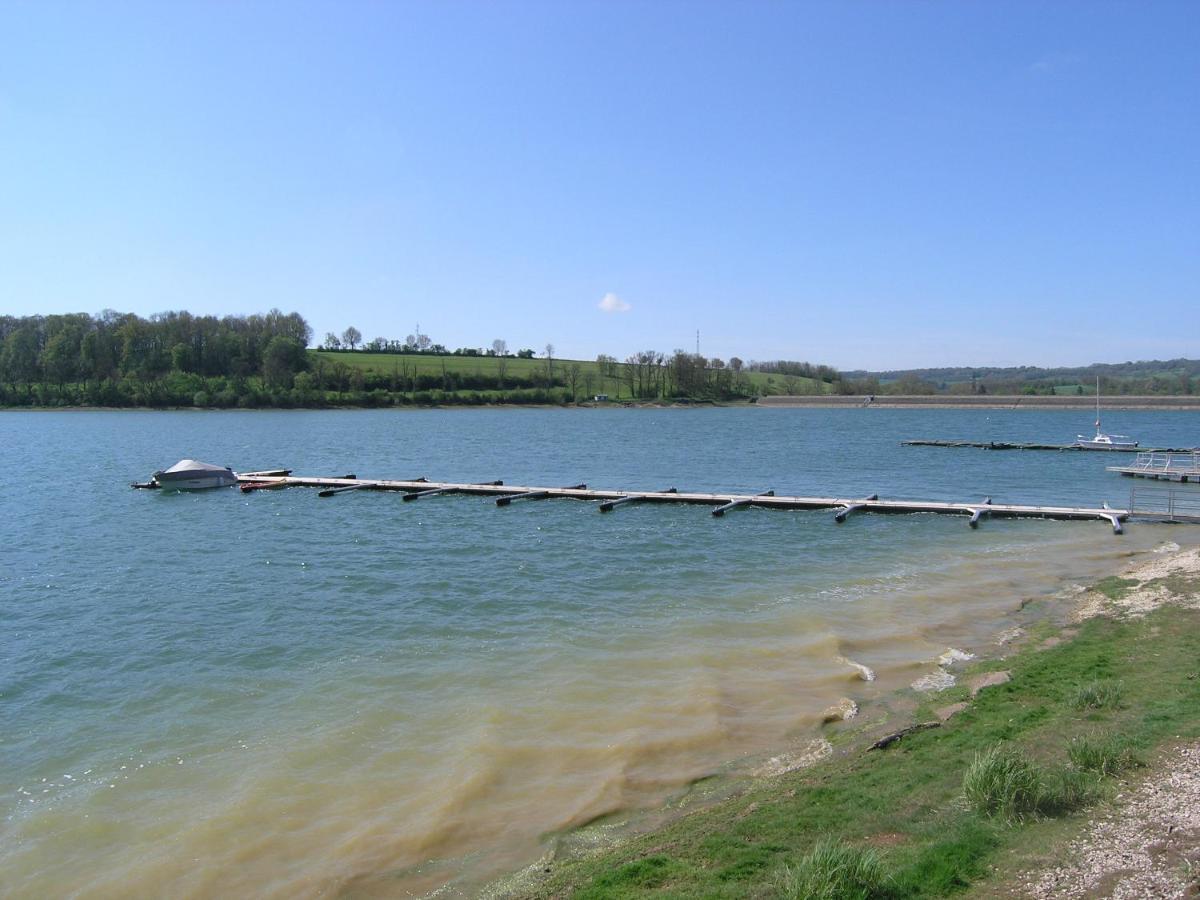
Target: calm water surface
x=270, y=694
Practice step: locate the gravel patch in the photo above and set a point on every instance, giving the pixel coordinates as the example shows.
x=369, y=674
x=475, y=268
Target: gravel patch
x=1147, y=595
x=1146, y=846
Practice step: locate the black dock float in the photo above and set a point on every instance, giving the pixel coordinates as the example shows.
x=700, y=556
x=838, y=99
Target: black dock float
x=540, y=494
x=432, y=492
x=329, y=492
x=734, y=503
x=840, y=515
x=978, y=511
x=355, y=485
x=609, y=505
x=439, y=491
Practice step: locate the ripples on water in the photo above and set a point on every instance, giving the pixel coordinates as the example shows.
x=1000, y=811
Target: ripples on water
x=220, y=693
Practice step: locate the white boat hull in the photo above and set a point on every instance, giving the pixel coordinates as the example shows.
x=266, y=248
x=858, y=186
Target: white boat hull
x=1105, y=443
x=194, y=484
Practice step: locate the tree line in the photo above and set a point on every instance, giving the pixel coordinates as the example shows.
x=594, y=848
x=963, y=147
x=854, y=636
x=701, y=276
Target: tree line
x=170, y=359
x=416, y=343
x=179, y=359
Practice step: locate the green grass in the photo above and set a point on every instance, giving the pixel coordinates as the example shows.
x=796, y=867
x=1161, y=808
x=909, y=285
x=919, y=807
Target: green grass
x=1115, y=588
x=640, y=875
x=906, y=804
x=1003, y=783
x=1103, y=754
x=1099, y=694
x=835, y=871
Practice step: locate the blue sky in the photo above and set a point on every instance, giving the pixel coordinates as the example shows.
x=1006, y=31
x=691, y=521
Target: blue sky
x=868, y=185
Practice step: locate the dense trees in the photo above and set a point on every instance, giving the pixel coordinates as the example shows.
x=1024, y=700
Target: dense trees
x=119, y=359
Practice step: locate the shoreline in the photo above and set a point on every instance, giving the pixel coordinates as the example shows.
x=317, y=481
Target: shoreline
x=1181, y=403
x=1165, y=578
x=407, y=407
x=1166, y=403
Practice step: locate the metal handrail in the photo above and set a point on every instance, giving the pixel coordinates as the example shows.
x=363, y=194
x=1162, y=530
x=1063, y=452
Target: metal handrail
x=1152, y=461
x=1172, y=503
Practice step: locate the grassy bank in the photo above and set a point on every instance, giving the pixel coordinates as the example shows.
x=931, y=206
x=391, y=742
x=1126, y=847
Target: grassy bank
x=959, y=807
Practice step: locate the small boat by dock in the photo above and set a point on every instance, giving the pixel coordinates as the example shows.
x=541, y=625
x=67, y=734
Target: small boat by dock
x=191, y=475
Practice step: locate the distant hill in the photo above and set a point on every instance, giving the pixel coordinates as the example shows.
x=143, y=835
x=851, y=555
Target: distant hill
x=1172, y=376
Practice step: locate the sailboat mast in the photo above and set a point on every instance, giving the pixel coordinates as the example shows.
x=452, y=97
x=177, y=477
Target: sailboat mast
x=1097, y=404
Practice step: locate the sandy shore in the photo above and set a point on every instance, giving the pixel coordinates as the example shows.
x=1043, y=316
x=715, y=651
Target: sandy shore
x=1145, y=842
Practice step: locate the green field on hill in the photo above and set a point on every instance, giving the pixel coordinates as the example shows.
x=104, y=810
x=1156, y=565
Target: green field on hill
x=591, y=380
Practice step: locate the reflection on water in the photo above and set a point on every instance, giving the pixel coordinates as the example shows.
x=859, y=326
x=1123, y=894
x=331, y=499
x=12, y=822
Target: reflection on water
x=273, y=694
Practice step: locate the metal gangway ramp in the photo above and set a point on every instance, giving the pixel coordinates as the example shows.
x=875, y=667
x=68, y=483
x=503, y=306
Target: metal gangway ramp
x=1165, y=503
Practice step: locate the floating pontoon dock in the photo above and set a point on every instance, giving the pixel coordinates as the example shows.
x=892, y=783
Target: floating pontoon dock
x=1168, y=466
x=1009, y=445
x=607, y=500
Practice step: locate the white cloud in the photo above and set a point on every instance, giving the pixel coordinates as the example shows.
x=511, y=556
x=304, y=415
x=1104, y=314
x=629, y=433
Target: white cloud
x=611, y=303
x=1053, y=63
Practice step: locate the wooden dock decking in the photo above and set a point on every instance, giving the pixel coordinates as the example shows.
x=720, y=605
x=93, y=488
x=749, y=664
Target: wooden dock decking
x=607, y=500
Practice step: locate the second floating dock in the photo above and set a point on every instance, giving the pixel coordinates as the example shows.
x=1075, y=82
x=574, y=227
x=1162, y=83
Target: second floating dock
x=1181, y=467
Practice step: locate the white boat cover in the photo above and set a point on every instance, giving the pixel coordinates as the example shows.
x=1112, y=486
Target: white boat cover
x=193, y=466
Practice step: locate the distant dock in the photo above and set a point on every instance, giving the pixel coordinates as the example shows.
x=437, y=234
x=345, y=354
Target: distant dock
x=1011, y=445
x=607, y=500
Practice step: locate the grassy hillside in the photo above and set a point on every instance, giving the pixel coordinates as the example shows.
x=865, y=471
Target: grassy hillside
x=591, y=380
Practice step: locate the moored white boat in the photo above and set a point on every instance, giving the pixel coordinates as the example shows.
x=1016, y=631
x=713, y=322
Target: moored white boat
x=1102, y=441
x=193, y=475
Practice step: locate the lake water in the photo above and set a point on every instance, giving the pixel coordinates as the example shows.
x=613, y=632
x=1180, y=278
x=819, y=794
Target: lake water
x=218, y=694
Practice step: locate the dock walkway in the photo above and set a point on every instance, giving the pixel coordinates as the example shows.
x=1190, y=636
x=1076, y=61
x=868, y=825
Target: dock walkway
x=721, y=502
